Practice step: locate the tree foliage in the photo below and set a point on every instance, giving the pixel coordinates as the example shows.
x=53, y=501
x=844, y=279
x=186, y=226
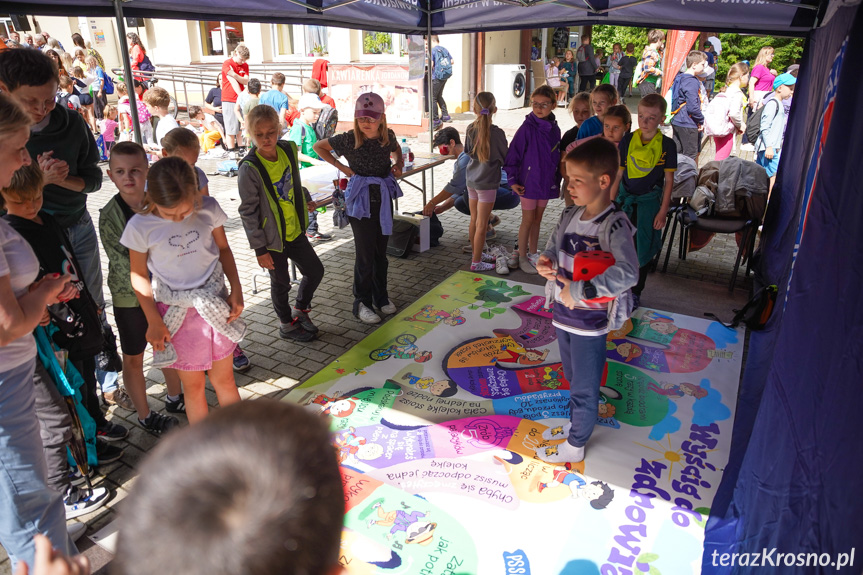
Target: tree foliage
x=606, y=36
x=737, y=47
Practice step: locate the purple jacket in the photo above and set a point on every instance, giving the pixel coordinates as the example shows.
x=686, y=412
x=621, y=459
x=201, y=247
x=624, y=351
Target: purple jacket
x=533, y=159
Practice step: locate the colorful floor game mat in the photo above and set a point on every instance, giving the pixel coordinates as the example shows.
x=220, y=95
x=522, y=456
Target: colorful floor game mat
x=436, y=417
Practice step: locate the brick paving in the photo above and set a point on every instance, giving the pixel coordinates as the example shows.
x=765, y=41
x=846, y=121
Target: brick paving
x=278, y=365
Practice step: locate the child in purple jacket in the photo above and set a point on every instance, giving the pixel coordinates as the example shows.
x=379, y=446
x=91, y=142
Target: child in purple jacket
x=533, y=171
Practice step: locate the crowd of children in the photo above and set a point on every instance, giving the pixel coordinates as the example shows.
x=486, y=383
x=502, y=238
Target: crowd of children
x=174, y=282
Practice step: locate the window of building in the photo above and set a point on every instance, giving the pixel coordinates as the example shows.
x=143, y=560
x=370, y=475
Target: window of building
x=220, y=38
x=6, y=26
x=298, y=40
x=385, y=44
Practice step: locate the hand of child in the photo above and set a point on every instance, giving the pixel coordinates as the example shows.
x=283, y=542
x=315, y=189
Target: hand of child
x=235, y=300
x=312, y=205
x=158, y=335
x=266, y=261
x=397, y=171
x=518, y=189
x=565, y=295
x=48, y=561
x=768, y=153
x=544, y=267
x=346, y=170
x=659, y=220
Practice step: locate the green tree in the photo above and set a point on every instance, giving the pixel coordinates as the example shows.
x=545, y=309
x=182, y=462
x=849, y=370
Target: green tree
x=737, y=47
x=606, y=37
x=377, y=43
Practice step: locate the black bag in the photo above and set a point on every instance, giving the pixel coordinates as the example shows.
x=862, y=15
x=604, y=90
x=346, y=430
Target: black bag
x=753, y=124
x=402, y=239
x=756, y=312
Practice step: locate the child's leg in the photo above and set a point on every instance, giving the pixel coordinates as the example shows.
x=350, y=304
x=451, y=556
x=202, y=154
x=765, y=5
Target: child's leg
x=301, y=252
x=136, y=385
x=280, y=286
x=588, y=353
x=471, y=229
x=381, y=265
x=194, y=383
x=535, y=225
x=222, y=380
x=480, y=210
x=172, y=382
x=365, y=238
x=528, y=209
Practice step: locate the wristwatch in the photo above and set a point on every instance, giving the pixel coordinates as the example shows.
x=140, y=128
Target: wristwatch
x=589, y=290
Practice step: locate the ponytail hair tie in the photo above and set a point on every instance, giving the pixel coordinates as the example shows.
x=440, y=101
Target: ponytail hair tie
x=484, y=112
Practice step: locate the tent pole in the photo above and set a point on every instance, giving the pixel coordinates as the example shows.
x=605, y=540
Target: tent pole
x=429, y=72
x=127, y=70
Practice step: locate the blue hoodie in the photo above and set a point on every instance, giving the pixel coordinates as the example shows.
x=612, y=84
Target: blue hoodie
x=689, y=92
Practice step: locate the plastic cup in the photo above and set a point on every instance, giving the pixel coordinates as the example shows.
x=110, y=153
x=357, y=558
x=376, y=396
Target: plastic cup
x=343, y=184
x=444, y=150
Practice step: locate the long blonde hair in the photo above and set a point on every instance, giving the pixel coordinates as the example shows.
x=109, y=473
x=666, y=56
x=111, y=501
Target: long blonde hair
x=383, y=133
x=763, y=53
x=480, y=130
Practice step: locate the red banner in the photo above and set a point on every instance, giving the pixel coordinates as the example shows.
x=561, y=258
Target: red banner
x=678, y=44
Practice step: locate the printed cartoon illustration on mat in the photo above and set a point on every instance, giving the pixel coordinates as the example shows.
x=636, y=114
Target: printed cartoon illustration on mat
x=437, y=415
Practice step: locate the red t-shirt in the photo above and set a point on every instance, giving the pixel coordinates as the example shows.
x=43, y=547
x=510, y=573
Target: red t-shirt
x=291, y=114
x=228, y=94
x=328, y=101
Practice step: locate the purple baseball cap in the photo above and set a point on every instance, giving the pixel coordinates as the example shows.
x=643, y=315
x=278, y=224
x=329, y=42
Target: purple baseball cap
x=369, y=105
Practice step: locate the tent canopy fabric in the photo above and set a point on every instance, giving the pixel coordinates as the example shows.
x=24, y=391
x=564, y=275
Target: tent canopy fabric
x=790, y=17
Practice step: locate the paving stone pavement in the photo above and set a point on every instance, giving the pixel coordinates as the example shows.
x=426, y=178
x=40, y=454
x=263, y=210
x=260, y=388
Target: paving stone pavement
x=278, y=365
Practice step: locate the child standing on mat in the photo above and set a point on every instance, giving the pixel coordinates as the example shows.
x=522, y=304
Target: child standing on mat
x=582, y=326
x=369, y=199
x=643, y=185
x=128, y=169
x=274, y=209
x=193, y=322
x=485, y=143
x=533, y=171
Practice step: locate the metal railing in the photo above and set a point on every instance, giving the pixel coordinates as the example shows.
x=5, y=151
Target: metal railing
x=190, y=84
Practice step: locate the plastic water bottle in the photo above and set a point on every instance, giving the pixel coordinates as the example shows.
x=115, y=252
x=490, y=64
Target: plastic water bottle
x=406, y=154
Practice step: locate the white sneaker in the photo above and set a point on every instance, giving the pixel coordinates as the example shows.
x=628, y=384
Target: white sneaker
x=526, y=266
x=500, y=265
x=76, y=530
x=367, y=315
x=79, y=502
x=389, y=309
x=512, y=260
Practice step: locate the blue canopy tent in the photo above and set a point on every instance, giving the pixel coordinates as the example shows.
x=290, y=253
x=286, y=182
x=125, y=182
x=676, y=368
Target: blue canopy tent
x=795, y=459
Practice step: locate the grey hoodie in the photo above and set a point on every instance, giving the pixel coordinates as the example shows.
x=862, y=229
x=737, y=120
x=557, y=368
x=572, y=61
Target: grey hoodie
x=615, y=236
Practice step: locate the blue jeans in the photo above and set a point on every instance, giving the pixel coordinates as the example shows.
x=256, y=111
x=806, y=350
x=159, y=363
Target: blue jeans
x=85, y=245
x=506, y=199
x=27, y=505
x=586, y=354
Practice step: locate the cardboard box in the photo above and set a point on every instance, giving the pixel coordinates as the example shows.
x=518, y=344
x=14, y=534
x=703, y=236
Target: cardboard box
x=423, y=238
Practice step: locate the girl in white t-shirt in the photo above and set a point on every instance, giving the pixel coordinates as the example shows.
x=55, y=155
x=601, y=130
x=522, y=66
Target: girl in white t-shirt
x=193, y=321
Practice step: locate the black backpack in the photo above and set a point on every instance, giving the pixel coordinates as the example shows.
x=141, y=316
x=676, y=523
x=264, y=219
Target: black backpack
x=756, y=312
x=753, y=124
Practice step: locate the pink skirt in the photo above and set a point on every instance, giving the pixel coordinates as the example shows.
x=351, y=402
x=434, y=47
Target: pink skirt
x=198, y=345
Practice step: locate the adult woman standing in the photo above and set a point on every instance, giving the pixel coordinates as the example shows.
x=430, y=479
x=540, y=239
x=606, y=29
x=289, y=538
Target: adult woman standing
x=569, y=65
x=29, y=506
x=138, y=55
x=761, y=78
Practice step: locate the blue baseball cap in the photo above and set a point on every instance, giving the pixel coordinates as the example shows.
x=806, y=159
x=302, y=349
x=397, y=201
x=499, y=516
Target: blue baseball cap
x=784, y=80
